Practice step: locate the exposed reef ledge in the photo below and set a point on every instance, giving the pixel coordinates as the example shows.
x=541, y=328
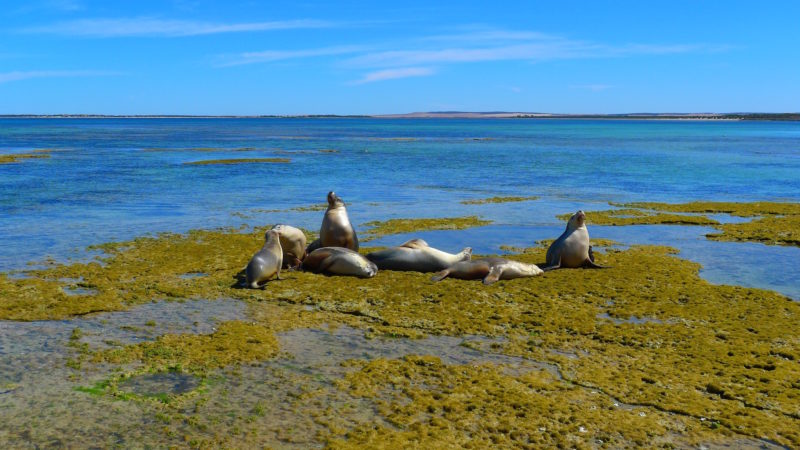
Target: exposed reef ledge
x=238, y=161
x=774, y=223
x=482, y=201
x=12, y=158
x=399, y=226
x=723, y=353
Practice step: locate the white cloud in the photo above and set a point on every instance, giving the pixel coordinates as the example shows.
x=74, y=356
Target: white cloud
x=392, y=74
x=278, y=55
x=25, y=75
x=143, y=26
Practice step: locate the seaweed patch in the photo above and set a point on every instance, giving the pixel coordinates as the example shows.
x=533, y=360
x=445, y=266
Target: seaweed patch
x=239, y=161
x=398, y=226
x=483, y=201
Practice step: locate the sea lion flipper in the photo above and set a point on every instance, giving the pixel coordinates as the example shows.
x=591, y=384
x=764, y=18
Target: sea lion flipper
x=552, y=267
x=591, y=254
x=493, y=276
x=313, y=246
x=591, y=265
x=440, y=275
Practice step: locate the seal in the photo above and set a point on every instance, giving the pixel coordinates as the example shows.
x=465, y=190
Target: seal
x=339, y=261
x=266, y=263
x=293, y=244
x=572, y=248
x=336, y=230
x=490, y=269
x=416, y=255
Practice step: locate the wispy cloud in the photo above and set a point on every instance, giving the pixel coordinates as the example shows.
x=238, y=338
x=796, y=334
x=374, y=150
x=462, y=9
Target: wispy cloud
x=391, y=74
x=144, y=27
x=26, y=75
x=535, y=51
x=466, y=45
x=278, y=55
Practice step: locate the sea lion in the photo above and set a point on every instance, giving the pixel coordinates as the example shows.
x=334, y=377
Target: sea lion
x=293, y=244
x=336, y=230
x=416, y=255
x=267, y=262
x=339, y=261
x=572, y=248
x=490, y=269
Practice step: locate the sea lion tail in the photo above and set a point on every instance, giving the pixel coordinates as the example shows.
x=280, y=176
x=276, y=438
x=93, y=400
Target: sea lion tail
x=440, y=275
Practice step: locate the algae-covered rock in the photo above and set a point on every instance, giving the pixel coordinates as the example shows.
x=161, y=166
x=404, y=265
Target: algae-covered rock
x=511, y=199
x=398, y=226
x=19, y=157
x=780, y=224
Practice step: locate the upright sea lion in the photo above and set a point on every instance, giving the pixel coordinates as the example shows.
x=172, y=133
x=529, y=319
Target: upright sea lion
x=572, y=248
x=293, y=244
x=267, y=262
x=416, y=255
x=490, y=269
x=336, y=230
x=339, y=261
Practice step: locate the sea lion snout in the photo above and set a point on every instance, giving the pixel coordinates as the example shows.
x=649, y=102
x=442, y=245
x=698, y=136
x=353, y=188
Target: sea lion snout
x=333, y=198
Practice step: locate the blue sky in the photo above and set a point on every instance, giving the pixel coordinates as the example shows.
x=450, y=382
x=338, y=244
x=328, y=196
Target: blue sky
x=308, y=57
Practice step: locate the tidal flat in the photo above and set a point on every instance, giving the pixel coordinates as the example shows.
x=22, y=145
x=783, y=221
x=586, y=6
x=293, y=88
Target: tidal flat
x=644, y=353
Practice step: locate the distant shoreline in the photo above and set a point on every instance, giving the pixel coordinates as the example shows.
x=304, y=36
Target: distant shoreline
x=446, y=115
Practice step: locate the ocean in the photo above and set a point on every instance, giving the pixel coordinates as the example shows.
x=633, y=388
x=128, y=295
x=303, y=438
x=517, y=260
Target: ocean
x=115, y=179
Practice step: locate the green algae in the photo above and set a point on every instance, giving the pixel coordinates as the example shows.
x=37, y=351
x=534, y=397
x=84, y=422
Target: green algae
x=238, y=161
x=774, y=223
x=398, y=226
x=767, y=230
x=428, y=404
x=200, y=149
x=745, y=209
x=233, y=342
x=628, y=216
x=483, y=201
x=724, y=353
x=19, y=157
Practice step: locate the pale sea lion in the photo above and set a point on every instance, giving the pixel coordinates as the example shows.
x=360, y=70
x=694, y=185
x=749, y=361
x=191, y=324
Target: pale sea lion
x=572, y=248
x=339, y=261
x=336, y=230
x=490, y=269
x=416, y=255
x=293, y=244
x=267, y=262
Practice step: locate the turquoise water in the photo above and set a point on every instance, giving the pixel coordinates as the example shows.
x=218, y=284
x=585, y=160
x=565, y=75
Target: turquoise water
x=113, y=179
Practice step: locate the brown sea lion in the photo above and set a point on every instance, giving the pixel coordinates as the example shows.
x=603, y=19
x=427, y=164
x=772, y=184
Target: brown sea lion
x=572, y=248
x=336, y=230
x=416, y=255
x=293, y=244
x=267, y=262
x=489, y=269
x=339, y=261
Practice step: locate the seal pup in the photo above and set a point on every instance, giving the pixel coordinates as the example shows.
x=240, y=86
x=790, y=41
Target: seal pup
x=490, y=269
x=339, y=261
x=416, y=255
x=572, y=248
x=266, y=263
x=293, y=244
x=336, y=230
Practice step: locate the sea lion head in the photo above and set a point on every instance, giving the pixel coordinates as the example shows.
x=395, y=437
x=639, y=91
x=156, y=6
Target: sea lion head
x=334, y=201
x=272, y=236
x=280, y=228
x=577, y=220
